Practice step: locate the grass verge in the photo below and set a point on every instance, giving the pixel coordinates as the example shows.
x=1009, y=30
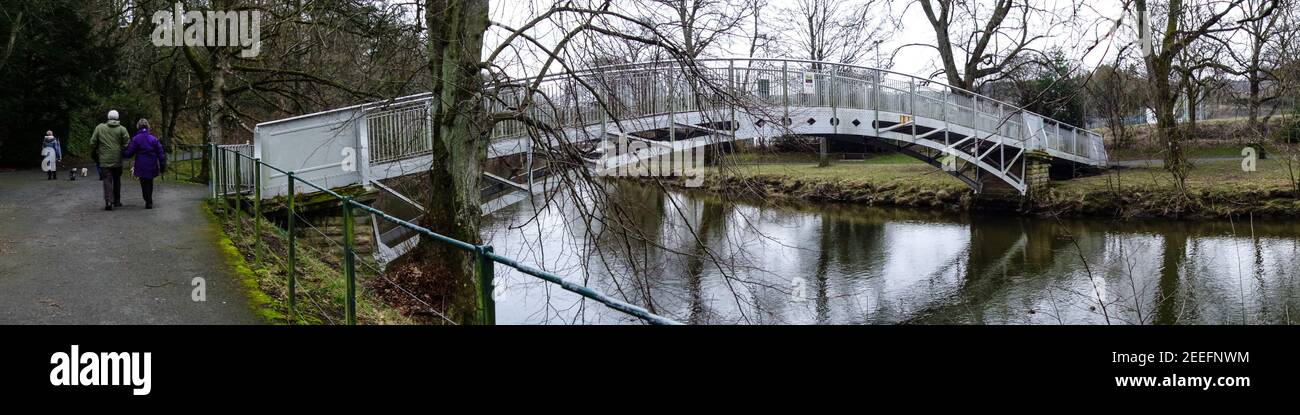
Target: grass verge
x=320, y=284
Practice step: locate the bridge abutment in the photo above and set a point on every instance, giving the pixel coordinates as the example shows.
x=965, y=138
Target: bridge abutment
x=998, y=195
x=1038, y=177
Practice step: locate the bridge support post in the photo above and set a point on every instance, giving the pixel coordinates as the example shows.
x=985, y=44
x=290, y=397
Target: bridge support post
x=1037, y=177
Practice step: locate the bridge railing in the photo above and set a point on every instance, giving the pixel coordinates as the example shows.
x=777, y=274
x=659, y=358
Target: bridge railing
x=391, y=137
x=773, y=86
x=237, y=172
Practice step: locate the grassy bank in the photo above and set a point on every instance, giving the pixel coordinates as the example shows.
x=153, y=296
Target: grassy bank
x=1193, y=150
x=1215, y=188
x=320, y=284
x=185, y=170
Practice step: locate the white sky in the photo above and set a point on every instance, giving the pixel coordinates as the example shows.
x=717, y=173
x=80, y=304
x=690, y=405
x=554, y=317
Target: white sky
x=1074, y=40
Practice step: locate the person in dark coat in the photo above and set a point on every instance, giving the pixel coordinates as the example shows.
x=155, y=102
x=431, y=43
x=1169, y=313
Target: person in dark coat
x=52, y=144
x=149, y=159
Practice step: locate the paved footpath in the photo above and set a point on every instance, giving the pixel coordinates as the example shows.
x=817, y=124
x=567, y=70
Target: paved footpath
x=64, y=260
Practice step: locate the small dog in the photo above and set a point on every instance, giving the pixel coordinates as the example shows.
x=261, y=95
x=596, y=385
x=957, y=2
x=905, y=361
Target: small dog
x=84, y=171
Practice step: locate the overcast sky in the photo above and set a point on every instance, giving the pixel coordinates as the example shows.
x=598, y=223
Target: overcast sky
x=1074, y=41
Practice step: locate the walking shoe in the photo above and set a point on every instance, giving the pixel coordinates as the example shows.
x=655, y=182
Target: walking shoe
x=108, y=207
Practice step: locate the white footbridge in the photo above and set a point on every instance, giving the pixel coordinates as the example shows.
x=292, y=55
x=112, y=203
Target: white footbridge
x=973, y=137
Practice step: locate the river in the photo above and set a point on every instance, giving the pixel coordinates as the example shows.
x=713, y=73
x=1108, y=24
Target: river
x=832, y=264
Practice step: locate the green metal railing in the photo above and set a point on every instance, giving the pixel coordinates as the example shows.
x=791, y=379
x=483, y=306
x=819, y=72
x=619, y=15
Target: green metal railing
x=184, y=162
x=224, y=185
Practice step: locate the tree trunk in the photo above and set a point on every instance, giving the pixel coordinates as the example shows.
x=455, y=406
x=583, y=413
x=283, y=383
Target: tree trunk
x=823, y=159
x=213, y=131
x=1164, y=101
x=1193, y=98
x=456, y=29
x=1254, y=103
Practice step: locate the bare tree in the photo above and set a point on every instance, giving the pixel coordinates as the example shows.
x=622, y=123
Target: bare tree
x=1111, y=93
x=978, y=42
x=833, y=31
x=1256, y=53
x=838, y=31
x=511, y=77
x=1199, y=77
x=1185, y=23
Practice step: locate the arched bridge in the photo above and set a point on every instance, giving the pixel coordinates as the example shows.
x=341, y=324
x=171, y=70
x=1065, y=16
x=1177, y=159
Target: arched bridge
x=976, y=138
x=705, y=103
x=973, y=137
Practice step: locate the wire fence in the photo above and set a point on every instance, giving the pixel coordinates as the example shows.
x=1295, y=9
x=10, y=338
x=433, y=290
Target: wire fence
x=237, y=184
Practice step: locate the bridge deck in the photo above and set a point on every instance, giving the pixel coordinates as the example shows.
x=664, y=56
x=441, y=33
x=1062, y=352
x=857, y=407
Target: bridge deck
x=765, y=98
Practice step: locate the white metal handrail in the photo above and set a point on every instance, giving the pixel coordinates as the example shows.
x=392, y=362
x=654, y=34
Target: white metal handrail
x=394, y=137
x=649, y=89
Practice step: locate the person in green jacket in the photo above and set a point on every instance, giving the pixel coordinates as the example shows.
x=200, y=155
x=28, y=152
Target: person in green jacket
x=106, y=149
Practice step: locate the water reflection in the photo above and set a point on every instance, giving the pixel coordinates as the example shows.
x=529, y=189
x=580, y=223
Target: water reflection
x=697, y=259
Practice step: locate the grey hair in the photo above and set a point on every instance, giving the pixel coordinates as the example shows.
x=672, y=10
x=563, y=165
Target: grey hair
x=143, y=123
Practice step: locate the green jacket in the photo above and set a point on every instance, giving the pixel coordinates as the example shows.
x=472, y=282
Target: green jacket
x=107, y=143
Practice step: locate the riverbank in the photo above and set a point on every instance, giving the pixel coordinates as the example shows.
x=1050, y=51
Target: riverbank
x=320, y=286
x=1215, y=189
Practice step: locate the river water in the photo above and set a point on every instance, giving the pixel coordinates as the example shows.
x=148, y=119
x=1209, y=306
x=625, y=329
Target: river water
x=693, y=257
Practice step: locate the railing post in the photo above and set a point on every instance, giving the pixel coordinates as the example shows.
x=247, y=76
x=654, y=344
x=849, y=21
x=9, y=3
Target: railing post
x=1002, y=139
x=876, y=90
x=911, y=105
x=349, y=263
x=486, y=270
x=290, y=268
x=257, y=210
x=785, y=94
x=731, y=81
x=239, y=194
x=212, y=169
x=835, y=97
x=947, y=129
x=672, y=108
x=221, y=168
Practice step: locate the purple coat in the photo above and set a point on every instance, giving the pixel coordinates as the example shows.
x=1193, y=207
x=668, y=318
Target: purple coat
x=148, y=153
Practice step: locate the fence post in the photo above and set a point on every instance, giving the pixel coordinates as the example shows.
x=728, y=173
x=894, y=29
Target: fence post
x=257, y=210
x=290, y=269
x=221, y=167
x=212, y=169
x=486, y=270
x=239, y=194
x=349, y=266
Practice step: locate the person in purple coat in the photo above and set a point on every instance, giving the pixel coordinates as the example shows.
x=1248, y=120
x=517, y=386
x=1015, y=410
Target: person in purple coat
x=149, y=159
